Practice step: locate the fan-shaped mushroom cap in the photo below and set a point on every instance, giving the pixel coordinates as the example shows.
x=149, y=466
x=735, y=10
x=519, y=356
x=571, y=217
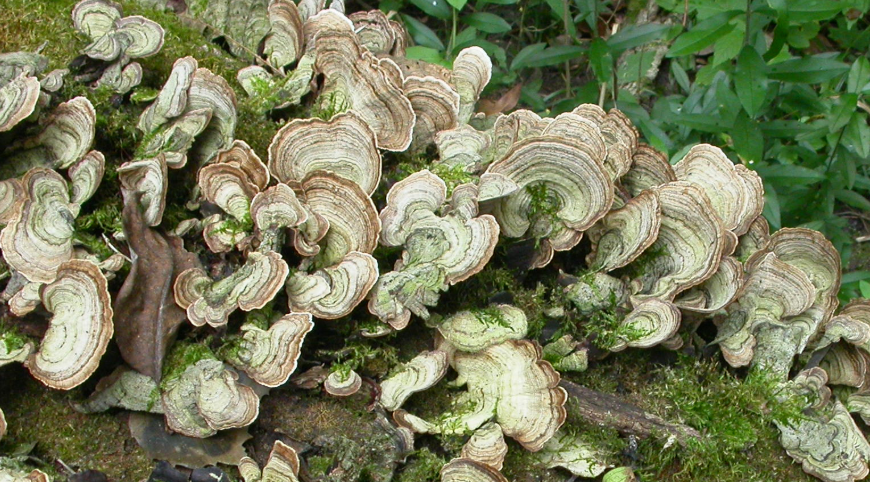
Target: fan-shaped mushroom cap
x=422, y=372
x=619, y=135
x=579, y=129
x=86, y=176
x=512, y=128
x=150, y=178
x=206, y=398
x=240, y=155
x=172, y=99
x=229, y=188
x=17, y=101
x=467, y=470
x=735, y=192
x=852, y=325
x=283, y=44
x=222, y=235
x=276, y=208
x=753, y=240
x=562, y=188
x=650, y=168
x=38, y=238
x=462, y=146
x=211, y=91
x=95, y=18
x=772, y=290
x=349, y=212
x=828, y=444
x=344, y=145
x=530, y=404
x=846, y=365
x=368, y=85
x=269, y=356
x=80, y=329
x=486, y=446
x=596, y=292
x=11, y=198
x=409, y=200
x=342, y=384
x=624, y=233
x=652, y=322
x=144, y=36
x=375, y=31
x=176, y=137
x=13, y=353
x=2, y=424
x=65, y=138
x=249, y=288
x=281, y=466
x=475, y=330
x=25, y=300
x=572, y=453
x=334, y=291
x=715, y=293
x=689, y=245
x=436, y=106
x=472, y=70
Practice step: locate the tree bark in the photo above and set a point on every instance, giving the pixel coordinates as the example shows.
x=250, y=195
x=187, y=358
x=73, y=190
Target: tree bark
x=610, y=411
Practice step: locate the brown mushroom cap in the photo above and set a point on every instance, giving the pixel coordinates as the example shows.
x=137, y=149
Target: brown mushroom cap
x=342, y=384
x=229, y=188
x=344, y=145
x=240, y=155
x=80, y=329
x=281, y=466
x=716, y=292
x=367, y=84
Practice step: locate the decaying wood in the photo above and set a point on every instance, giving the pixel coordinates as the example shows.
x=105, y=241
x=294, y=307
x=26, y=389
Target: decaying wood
x=610, y=411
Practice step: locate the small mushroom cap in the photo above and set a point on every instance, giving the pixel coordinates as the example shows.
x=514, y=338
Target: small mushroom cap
x=95, y=18
x=175, y=138
x=530, y=404
x=624, y=233
x=422, y=372
x=690, y=243
x=17, y=101
x=277, y=207
x=715, y=293
x=462, y=146
x=574, y=454
x=11, y=199
x=249, y=288
x=38, y=238
x=436, y=106
x=211, y=91
x=86, y=176
x=349, y=212
x=340, y=384
x=281, y=466
x=735, y=192
x=851, y=325
x=472, y=70
x=486, y=446
x=334, y=292
x=172, y=99
x=182, y=395
x=80, y=329
x=269, y=356
x=2, y=424
x=473, y=331
x=283, y=44
x=619, y=135
x=467, y=470
x=375, y=31
x=344, y=145
x=229, y=188
x=650, y=168
x=240, y=155
x=150, y=178
x=408, y=200
x=652, y=321
x=846, y=365
x=145, y=36
x=369, y=86
x=65, y=138
x=223, y=402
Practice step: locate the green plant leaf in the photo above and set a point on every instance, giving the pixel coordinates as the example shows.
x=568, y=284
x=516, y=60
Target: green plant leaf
x=809, y=70
x=548, y=56
x=808, y=10
x=435, y=8
x=487, y=22
x=748, y=141
x=852, y=198
x=841, y=112
x=497, y=2
x=425, y=54
x=865, y=289
x=457, y=4
x=601, y=60
x=793, y=175
x=422, y=35
x=703, y=34
x=526, y=54
x=859, y=76
x=750, y=81
x=636, y=35
x=680, y=76
x=771, y=210
x=857, y=135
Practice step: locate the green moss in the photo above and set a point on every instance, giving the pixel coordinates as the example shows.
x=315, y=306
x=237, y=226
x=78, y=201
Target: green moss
x=329, y=106
x=422, y=466
x=452, y=175
x=106, y=217
x=182, y=355
x=10, y=336
x=491, y=316
x=319, y=465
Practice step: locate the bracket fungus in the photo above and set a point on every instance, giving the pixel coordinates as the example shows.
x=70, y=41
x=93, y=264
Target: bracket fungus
x=342, y=383
x=17, y=101
x=269, y=356
x=281, y=466
x=422, y=372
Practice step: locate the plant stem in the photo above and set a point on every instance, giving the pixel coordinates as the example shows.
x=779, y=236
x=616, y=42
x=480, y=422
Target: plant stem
x=566, y=19
x=748, y=19
x=452, y=42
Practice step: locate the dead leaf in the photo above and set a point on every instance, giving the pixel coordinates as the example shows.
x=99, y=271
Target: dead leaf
x=505, y=103
x=151, y=434
x=146, y=316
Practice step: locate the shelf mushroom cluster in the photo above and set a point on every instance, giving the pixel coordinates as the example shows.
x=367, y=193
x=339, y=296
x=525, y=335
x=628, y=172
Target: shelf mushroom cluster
x=667, y=242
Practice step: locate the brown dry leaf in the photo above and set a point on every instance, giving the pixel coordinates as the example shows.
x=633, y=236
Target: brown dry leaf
x=146, y=316
x=150, y=432
x=505, y=103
